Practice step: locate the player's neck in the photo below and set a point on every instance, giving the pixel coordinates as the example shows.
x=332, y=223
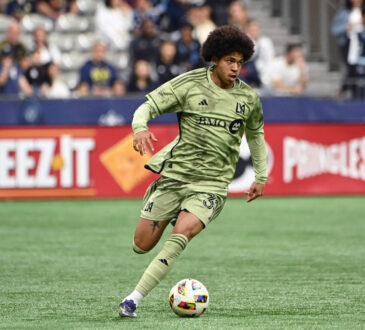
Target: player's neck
x=219, y=82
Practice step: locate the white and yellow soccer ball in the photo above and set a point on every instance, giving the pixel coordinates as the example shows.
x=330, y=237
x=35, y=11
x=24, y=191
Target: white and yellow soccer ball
x=189, y=298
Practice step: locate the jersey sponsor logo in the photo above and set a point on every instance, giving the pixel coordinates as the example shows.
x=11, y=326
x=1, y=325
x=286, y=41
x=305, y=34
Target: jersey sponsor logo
x=148, y=207
x=203, y=102
x=211, y=201
x=235, y=126
x=211, y=122
x=240, y=108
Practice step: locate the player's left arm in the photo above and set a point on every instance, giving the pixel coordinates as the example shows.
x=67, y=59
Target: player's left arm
x=256, y=143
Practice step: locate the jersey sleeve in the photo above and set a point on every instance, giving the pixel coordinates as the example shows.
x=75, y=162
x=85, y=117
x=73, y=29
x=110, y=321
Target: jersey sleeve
x=256, y=142
x=163, y=99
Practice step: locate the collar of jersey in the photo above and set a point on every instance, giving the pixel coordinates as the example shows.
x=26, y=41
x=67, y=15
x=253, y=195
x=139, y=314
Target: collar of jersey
x=211, y=82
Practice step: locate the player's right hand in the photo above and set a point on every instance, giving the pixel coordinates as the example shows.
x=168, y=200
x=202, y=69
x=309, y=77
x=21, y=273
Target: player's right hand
x=141, y=140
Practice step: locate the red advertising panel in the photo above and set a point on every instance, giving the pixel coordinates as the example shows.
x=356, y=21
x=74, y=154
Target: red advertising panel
x=74, y=162
x=93, y=162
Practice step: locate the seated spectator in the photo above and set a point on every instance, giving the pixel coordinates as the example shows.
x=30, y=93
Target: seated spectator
x=49, y=53
x=12, y=81
x=55, y=8
x=17, y=48
x=143, y=11
x=98, y=77
x=19, y=8
x=238, y=15
x=200, y=17
x=288, y=74
x=188, y=49
x=37, y=73
x=57, y=88
x=119, y=17
x=146, y=45
x=167, y=66
x=141, y=78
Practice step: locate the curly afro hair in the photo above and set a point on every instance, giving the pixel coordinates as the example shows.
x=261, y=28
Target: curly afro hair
x=226, y=40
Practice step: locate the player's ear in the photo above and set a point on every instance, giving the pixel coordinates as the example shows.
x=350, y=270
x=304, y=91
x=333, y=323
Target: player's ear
x=215, y=60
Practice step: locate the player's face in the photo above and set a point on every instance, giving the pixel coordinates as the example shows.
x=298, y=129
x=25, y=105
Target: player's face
x=227, y=69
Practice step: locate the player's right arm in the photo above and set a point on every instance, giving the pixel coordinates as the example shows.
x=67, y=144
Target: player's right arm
x=161, y=100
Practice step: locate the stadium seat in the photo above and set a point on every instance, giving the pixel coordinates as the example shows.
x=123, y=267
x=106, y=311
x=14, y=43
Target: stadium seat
x=87, y=7
x=31, y=21
x=27, y=40
x=65, y=42
x=72, y=23
x=85, y=41
x=72, y=61
x=119, y=60
x=5, y=21
x=70, y=78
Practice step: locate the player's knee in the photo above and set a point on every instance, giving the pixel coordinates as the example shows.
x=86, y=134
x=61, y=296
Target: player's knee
x=139, y=247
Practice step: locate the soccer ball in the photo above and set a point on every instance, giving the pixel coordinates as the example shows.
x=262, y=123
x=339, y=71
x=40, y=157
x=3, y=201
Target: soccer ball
x=189, y=298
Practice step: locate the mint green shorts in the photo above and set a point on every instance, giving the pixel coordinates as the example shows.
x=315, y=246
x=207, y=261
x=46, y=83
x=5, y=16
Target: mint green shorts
x=166, y=197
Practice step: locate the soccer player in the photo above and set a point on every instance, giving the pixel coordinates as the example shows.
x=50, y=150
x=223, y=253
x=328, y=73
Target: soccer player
x=214, y=109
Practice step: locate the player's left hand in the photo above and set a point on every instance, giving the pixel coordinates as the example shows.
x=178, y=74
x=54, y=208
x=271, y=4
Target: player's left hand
x=256, y=190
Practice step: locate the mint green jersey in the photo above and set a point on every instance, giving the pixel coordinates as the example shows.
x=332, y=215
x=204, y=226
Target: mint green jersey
x=212, y=122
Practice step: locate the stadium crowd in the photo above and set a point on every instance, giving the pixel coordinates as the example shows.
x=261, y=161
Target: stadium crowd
x=160, y=39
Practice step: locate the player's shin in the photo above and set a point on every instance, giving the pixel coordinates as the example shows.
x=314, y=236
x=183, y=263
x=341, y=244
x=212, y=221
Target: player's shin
x=162, y=263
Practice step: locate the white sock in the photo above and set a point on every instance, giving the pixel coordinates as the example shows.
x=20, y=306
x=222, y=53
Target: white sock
x=135, y=296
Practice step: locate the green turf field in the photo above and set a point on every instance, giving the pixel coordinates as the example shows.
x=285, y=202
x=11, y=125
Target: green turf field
x=273, y=264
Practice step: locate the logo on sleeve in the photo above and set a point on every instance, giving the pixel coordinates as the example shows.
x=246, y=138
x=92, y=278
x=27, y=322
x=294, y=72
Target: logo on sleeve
x=235, y=126
x=203, y=102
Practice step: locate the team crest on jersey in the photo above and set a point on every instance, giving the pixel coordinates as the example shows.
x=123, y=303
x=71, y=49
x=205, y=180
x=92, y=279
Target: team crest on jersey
x=240, y=108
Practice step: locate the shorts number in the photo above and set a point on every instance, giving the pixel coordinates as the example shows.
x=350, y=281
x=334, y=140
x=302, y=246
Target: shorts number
x=211, y=201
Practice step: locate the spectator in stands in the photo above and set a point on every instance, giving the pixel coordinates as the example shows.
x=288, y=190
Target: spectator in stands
x=98, y=77
x=57, y=87
x=37, y=73
x=167, y=66
x=146, y=45
x=119, y=17
x=288, y=74
x=263, y=57
x=142, y=12
x=347, y=21
x=55, y=8
x=141, y=78
x=347, y=27
x=264, y=47
x=12, y=80
x=17, y=48
x=238, y=15
x=200, y=17
x=188, y=49
x=49, y=52
x=19, y=8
